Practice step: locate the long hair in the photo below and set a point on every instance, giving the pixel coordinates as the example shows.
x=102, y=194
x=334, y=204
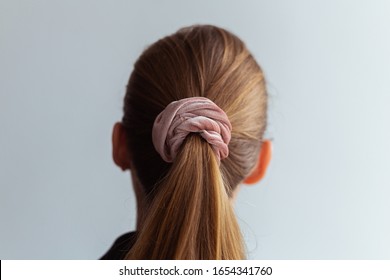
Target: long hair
x=189, y=213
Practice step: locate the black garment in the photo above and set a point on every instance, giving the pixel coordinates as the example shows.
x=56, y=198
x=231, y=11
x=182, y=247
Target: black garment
x=120, y=247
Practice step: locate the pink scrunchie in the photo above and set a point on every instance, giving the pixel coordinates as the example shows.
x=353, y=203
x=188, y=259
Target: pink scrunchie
x=194, y=114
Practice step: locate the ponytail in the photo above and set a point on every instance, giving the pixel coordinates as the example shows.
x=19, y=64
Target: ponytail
x=190, y=216
x=187, y=187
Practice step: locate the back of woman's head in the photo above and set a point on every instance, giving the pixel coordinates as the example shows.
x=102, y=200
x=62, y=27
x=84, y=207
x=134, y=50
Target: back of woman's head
x=189, y=213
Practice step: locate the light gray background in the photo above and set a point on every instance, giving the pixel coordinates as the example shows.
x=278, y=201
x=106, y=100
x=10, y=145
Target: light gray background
x=64, y=66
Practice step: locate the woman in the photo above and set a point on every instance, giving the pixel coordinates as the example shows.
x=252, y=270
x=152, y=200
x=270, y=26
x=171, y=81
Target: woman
x=192, y=132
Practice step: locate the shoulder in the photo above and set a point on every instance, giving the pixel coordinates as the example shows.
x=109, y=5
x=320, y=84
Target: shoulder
x=120, y=247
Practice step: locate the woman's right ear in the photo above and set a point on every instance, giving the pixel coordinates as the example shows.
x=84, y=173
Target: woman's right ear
x=263, y=162
x=120, y=152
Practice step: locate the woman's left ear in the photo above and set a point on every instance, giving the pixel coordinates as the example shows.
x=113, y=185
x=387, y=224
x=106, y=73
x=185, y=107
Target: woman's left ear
x=263, y=162
x=120, y=153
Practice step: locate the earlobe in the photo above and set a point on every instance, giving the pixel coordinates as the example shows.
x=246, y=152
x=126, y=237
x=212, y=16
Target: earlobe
x=120, y=153
x=264, y=159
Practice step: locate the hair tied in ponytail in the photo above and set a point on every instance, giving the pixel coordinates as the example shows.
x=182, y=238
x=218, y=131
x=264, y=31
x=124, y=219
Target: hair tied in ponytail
x=194, y=114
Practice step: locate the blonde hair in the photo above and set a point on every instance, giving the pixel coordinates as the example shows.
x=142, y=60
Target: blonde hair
x=189, y=213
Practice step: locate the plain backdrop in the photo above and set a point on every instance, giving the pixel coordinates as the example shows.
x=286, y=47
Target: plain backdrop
x=64, y=66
